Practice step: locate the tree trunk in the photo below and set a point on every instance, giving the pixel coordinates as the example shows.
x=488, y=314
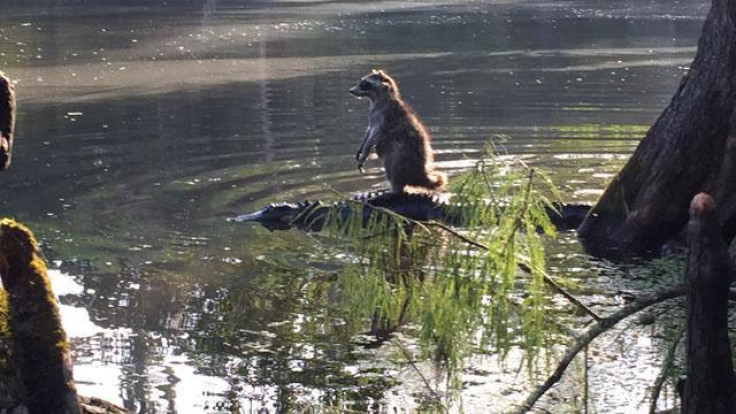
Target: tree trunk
x=710, y=383
x=7, y=120
x=690, y=148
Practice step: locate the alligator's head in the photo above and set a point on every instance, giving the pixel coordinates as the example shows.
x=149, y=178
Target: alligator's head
x=275, y=216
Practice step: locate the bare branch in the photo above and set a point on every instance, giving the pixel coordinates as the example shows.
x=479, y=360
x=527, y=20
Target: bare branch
x=666, y=366
x=559, y=289
x=641, y=302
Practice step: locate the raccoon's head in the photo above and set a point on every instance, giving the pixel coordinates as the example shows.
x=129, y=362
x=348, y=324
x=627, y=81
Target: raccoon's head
x=375, y=85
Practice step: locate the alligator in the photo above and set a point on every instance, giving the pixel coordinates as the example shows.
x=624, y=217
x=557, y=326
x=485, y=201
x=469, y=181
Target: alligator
x=310, y=215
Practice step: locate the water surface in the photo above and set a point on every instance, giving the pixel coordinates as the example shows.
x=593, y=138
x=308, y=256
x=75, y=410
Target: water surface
x=142, y=126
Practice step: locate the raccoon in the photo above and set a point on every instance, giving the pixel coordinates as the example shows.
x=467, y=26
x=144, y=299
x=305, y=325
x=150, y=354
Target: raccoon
x=400, y=139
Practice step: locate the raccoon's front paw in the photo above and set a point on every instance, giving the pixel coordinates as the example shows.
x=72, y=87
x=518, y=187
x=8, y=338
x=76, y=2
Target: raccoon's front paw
x=360, y=168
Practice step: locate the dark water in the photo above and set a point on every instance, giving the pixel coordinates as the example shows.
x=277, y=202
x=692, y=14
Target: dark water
x=142, y=126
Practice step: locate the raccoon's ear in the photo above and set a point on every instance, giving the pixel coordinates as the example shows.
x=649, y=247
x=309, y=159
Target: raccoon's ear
x=376, y=72
x=386, y=80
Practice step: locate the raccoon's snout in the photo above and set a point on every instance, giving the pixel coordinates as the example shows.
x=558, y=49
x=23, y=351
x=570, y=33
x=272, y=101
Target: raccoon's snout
x=356, y=91
x=361, y=89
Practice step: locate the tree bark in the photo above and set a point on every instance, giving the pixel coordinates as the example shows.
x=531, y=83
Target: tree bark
x=7, y=120
x=690, y=148
x=710, y=383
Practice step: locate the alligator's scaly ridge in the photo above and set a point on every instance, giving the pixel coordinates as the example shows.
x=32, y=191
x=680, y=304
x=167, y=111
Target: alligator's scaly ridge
x=310, y=215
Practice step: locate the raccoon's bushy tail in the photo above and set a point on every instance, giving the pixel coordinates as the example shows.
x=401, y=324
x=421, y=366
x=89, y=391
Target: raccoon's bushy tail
x=437, y=180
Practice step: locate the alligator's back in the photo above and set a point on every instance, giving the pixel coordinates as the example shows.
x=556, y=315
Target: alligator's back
x=311, y=215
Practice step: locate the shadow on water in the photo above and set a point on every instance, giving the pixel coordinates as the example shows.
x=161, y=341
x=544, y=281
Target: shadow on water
x=142, y=126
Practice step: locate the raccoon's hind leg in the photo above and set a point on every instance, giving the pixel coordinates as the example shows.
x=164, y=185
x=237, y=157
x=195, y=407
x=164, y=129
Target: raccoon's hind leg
x=398, y=181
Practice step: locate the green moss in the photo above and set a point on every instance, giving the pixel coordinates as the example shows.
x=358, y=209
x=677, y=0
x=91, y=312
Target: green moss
x=4, y=327
x=5, y=335
x=39, y=346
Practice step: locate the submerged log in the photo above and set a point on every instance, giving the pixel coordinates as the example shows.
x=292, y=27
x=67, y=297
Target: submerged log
x=7, y=120
x=690, y=148
x=710, y=386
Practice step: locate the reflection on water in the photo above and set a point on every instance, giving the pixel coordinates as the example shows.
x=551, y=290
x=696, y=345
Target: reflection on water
x=142, y=127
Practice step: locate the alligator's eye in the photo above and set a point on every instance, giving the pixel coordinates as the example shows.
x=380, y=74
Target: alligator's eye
x=364, y=85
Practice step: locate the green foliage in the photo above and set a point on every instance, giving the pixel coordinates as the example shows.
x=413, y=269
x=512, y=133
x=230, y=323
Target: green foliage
x=461, y=288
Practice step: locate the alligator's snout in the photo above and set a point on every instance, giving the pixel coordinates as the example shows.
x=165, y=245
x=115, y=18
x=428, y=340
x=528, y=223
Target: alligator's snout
x=273, y=216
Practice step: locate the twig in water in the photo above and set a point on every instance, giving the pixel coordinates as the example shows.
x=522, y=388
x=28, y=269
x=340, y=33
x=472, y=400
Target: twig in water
x=669, y=360
x=425, y=380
